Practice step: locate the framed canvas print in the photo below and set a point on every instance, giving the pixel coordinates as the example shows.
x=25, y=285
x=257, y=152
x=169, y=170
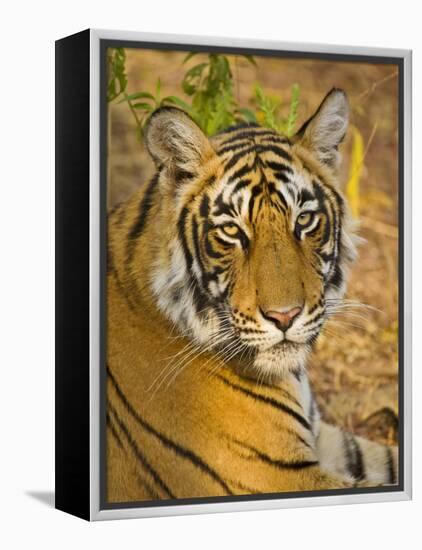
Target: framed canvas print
x=233, y=274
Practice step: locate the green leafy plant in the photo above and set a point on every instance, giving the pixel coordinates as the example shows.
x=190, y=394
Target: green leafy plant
x=269, y=111
x=209, y=86
x=117, y=79
x=141, y=104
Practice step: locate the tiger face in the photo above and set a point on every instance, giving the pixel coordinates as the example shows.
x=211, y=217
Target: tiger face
x=255, y=240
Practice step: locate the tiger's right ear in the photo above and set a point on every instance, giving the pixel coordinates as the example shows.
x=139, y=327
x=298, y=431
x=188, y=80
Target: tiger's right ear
x=175, y=141
x=325, y=130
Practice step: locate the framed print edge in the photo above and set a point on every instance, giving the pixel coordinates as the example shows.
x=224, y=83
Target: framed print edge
x=97, y=285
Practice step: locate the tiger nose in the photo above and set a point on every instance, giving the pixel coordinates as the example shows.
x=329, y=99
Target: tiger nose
x=282, y=319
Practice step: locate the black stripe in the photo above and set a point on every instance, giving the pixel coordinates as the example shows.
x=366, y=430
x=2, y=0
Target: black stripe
x=125, y=294
x=283, y=140
x=282, y=199
x=237, y=127
x=333, y=198
x=390, y=466
x=305, y=196
x=247, y=134
x=268, y=400
x=234, y=147
x=297, y=373
x=332, y=230
x=336, y=278
x=181, y=231
x=139, y=455
x=323, y=201
x=206, y=277
x=204, y=208
x=312, y=412
x=276, y=150
x=337, y=196
x=252, y=331
x=277, y=462
x=240, y=185
x=223, y=243
x=235, y=158
x=220, y=207
x=254, y=194
x=167, y=442
x=114, y=209
x=151, y=493
x=210, y=180
x=245, y=488
x=354, y=457
x=120, y=217
x=270, y=387
x=210, y=250
x=180, y=175
x=195, y=239
x=117, y=214
x=114, y=431
x=199, y=298
x=315, y=306
x=335, y=201
x=304, y=442
x=325, y=257
x=278, y=166
x=244, y=240
x=240, y=173
x=282, y=176
x=141, y=220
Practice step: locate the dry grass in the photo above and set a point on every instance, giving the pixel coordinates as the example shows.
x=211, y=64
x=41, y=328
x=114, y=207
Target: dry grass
x=354, y=368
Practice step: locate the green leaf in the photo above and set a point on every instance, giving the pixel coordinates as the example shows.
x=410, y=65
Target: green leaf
x=143, y=106
x=158, y=91
x=192, y=78
x=177, y=101
x=293, y=111
x=267, y=109
x=117, y=79
x=189, y=56
x=248, y=115
x=251, y=60
x=137, y=95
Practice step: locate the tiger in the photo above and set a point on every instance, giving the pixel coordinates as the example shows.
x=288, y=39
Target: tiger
x=221, y=274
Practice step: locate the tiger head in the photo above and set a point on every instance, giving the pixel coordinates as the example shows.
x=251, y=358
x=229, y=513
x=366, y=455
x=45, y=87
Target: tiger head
x=253, y=238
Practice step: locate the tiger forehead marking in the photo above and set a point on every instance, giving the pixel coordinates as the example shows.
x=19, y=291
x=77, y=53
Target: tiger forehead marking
x=269, y=190
x=261, y=238
x=264, y=175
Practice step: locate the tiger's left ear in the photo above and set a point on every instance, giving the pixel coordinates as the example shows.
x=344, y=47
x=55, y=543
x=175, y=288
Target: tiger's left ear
x=325, y=130
x=176, y=142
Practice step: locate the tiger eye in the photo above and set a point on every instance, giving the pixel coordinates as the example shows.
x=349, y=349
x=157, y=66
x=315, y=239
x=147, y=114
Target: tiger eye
x=305, y=218
x=230, y=229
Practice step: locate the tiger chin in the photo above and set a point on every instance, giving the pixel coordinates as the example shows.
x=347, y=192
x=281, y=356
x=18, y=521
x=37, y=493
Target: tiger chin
x=221, y=274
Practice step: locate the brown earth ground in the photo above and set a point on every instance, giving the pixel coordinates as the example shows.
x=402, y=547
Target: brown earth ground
x=354, y=368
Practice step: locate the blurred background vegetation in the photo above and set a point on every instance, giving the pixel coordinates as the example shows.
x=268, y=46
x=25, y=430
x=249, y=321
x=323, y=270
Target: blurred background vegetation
x=354, y=368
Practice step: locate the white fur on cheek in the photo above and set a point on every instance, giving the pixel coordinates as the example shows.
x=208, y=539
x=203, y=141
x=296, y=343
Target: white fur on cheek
x=174, y=278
